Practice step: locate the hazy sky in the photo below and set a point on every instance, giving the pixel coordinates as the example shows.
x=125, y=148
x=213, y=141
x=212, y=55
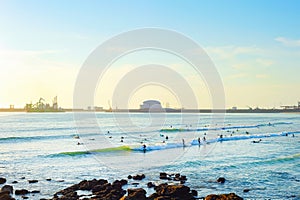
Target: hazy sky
x=255, y=46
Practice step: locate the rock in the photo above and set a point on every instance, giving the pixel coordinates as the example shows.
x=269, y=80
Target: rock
x=24, y=197
x=8, y=188
x=14, y=182
x=163, y=176
x=129, y=177
x=194, y=193
x=4, y=195
x=33, y=181
x=22, y=177
x=2, y=180
x=122, y=182
x=183, y=178
x=35, y=191
x=221, y=180
x=181, y=192
x=150, y=185
x=48, y=179
x=21, y=192
x=138, y=177
x=246, y=190
x=136, y=194
x=230, y=196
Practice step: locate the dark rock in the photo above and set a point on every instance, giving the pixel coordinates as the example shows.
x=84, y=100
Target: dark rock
x=221, y=180
x=182, y=182
x=230, y=196
x=4, y=195
x=8, y=188
x=183, y=178
x=136, y=194
x=153, y=196
x=246, y=190
x=24, y=197
x=175, y=191
x=2, y=180
x=138, y=177
x=48, y=179
x=33, y=181
x=101, y=188
x=35, y=192
x=120, y=182
x=150, y=185
x=129, y=177
x=194, y=193
x=177, y=175
x=14, y=182
x=21, y=192
x=135, y=184
x=163, y=175
x=23, y=177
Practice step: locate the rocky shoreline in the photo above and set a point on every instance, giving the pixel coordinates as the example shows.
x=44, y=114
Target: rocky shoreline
x=101, y=189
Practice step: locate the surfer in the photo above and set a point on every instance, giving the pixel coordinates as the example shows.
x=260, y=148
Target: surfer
x=204, y=139
x=183, y=143
x=258, y=141
x=293, y=135
x=167, y=137
x=144, y=148
x=199, y=140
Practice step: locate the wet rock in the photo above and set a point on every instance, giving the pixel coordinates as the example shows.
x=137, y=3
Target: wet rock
x=174, y=191
x=121, y=182
x=138, y=177
x=8, y=188
x=35, y=192
x=194, y=193
x=24, y=197
x=246, y=190
x=4, y=195
x=163, y=176
x=2, y=180
x=183, y=178
x=136, y=194
x=22, y=177
x=48, y=179
x=230, y=196
x=221, y=180
x=150, y=185
x=129, y=177
x=14, y=182
x=21, y=192
x=33, y=181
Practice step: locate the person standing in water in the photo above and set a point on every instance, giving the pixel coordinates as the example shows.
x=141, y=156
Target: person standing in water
x=199, y=140
x=183, y=143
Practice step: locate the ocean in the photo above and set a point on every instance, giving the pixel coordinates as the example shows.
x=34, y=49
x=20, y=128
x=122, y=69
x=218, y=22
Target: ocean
x=70, y=147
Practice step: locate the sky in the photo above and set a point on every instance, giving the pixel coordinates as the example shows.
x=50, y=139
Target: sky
x=254, y=45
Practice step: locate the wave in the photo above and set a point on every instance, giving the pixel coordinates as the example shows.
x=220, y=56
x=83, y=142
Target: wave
x=39, y=137
x=110, y=149
x=164, y=146
x=223, y=128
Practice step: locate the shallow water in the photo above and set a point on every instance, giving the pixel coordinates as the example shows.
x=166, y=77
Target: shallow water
x=44, y=145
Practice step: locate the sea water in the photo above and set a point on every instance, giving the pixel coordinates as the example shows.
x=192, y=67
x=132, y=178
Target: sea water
x=68, y=148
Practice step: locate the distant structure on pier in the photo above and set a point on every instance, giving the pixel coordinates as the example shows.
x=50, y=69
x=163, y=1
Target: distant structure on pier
x=42, y=106
x=151, y=105
x=291, y=107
